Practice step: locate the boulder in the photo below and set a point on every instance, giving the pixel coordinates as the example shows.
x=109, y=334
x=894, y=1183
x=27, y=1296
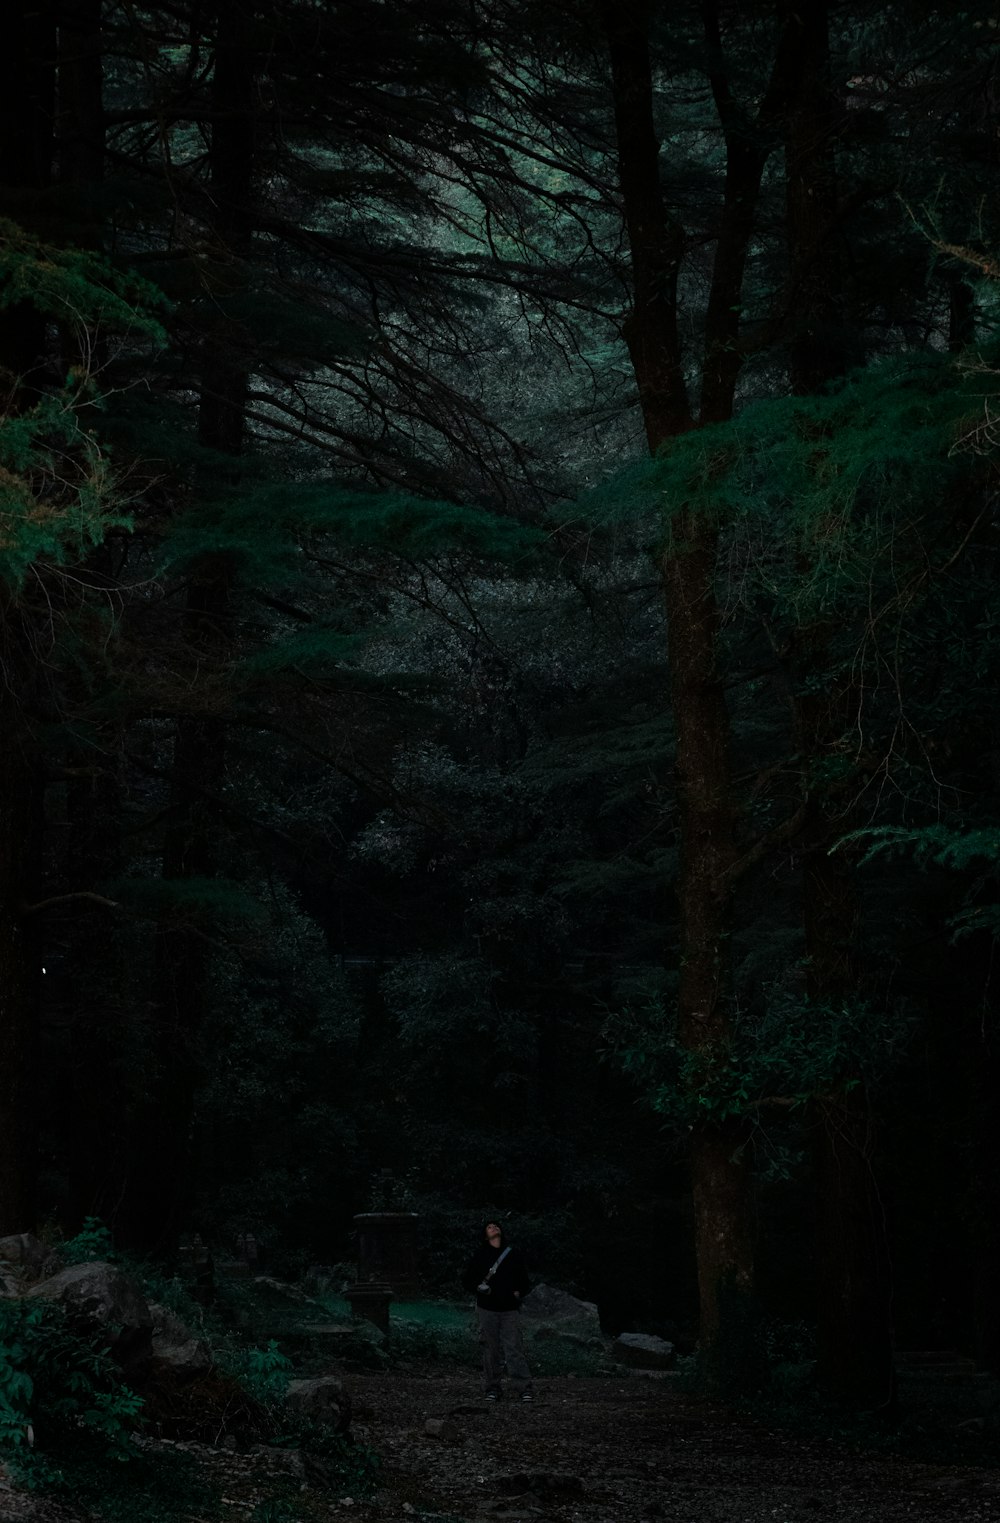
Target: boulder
x=643, y=1352
x=176, y=1347
x=579, y=1340
x=101, y=1297
x=323, y=1400
x=24, y=1250
x=546, y=1303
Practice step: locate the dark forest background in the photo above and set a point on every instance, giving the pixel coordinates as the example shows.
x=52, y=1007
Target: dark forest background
x=498, y=566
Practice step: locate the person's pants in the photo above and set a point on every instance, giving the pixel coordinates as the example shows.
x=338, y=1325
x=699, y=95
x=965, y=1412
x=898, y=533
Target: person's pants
x=500, y=1336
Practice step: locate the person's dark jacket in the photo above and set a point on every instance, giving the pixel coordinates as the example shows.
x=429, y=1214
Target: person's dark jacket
x=507, y=1287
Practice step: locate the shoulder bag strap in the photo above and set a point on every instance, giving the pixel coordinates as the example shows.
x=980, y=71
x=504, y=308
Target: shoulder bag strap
x=496, y=1264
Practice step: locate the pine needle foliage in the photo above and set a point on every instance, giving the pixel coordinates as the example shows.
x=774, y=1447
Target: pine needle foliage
x=938, y=845
x=78, y=288
x=822, y=490
x=55, y=487
x=960, y=850
x=819, y=490
x=265, y=524
x=59, y=494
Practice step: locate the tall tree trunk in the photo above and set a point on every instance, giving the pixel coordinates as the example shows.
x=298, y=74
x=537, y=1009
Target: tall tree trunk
x=80, y=104
x=102, y=1017
x=26, y=92
x=162, y=1188
x=20, y=962
x=853, y=1282
x=720, y=1169
x=720, y=1155
x=92, y=1116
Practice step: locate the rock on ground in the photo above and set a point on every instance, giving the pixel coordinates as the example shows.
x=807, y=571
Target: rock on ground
x=643, y=1351
x=324, y=1400
x=176, y=1346
x=101, y=1296
x=553, y=1313
x=22, y=1249
x=549, y=1304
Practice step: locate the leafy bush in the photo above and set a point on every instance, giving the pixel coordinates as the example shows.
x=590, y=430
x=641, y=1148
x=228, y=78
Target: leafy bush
x=60, y=1399
x=93, y=1241
x=263, y=1373
x=791, y=1048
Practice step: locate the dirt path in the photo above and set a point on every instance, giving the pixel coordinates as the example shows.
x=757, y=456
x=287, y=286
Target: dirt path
x=611, y=1450
x=621, y=1449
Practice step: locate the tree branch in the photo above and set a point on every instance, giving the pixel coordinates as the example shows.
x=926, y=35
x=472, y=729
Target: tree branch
x=44, y=904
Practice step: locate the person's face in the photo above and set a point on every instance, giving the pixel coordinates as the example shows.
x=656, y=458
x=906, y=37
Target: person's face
x=493, y=1234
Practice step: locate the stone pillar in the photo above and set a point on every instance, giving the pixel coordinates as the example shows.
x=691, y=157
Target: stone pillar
x=387, y=1250
x=371, y=1301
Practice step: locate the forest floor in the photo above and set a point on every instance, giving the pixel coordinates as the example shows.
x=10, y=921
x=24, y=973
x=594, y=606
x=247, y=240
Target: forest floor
x=608, y=1449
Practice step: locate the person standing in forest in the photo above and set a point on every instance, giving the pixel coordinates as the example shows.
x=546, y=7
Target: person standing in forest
x=497, y=1275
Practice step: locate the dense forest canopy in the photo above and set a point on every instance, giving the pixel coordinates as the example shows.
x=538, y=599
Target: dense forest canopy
x=498, y=563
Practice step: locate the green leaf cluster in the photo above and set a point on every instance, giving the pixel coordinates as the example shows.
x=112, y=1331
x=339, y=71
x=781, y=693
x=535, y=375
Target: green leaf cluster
x=60, y=1398
x=263, y=1372
x=790, y=1051
x=93, y=1241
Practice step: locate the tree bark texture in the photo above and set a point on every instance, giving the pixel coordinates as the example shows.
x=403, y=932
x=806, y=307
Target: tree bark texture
x=720, y=1174
x=819, y=349
x=853, y=1283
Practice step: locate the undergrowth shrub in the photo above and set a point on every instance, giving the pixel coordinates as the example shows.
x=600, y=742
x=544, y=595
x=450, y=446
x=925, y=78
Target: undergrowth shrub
x=61, y=1400
x=263, y=1373
x=93, y=1241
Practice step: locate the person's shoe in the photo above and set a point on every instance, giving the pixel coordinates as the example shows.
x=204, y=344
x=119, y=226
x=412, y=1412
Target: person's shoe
x=527, y=1396
x=492, y=1395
